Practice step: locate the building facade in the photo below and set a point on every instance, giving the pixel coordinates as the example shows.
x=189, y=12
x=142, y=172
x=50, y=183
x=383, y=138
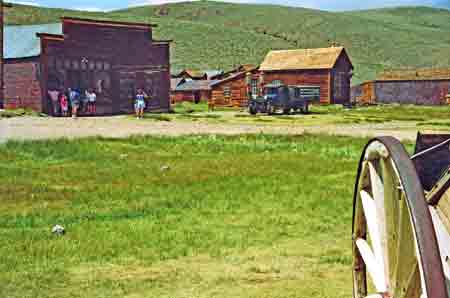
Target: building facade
x=329, y=68
x=417, y=87
x=112, y=58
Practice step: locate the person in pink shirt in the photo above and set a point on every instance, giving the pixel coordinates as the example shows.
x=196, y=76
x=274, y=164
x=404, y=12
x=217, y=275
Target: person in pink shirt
x=64, y=105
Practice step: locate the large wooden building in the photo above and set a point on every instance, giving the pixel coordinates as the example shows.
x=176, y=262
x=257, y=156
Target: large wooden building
x=113, y=58
x=418, y=86
x=330, y=68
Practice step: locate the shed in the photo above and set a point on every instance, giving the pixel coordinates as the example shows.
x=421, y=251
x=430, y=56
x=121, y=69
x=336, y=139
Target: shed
x=192, y=91
x=235, y=89
x=330, y=68
x=428, y=86
x=114, y=58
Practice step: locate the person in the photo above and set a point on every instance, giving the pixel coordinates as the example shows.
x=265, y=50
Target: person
x=64, y=105
x=74, y=97
x=139, y=104
x=92, y=98
x=54, y=97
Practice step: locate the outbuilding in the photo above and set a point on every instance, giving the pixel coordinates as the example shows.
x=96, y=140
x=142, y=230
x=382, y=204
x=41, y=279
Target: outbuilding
x=330, y=68
x=418, y=87
x=113, y=58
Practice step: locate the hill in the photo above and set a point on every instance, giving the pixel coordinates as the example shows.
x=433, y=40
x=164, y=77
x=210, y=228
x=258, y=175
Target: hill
x=220, y=35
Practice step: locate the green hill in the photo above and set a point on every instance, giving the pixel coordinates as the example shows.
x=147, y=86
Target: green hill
x=220, y=35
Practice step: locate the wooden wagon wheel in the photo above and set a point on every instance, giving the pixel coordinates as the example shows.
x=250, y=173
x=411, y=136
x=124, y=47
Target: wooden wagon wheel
x=401, y=253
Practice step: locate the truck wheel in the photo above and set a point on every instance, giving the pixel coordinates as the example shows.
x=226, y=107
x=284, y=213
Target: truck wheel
x=305, y=109
x=252, y=110
x=286, y=111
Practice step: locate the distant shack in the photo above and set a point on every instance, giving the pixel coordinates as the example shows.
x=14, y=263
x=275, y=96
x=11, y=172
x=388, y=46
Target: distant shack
x=408, y=86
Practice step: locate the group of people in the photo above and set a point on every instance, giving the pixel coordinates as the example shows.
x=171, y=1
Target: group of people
x=70, y=102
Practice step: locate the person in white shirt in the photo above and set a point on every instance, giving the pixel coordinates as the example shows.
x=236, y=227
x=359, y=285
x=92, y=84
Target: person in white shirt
x=54, y=96
x=92, y=98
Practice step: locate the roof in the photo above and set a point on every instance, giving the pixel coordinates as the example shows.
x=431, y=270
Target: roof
x=321, y=58
x=174, y=82
x=415, y=74
x=22, y=41
x=199, y=85
x=233, y=76
x=108, y=23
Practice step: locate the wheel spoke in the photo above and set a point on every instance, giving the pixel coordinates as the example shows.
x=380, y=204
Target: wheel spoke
x=371, y=214
x=391, y=199
x=372, y=264
x=406, y=260
x=379, y=198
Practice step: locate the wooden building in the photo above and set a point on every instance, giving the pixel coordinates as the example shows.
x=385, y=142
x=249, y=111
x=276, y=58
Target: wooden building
x=234, y=90
x=330, y=68
x=190, y=91
x=418, y=86
x=113, y=58
x=190, y=74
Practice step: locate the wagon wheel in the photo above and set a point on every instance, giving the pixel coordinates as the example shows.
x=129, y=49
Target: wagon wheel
x=401, y=253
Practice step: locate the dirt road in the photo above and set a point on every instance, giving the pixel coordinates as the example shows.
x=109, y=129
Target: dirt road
x=25, y=128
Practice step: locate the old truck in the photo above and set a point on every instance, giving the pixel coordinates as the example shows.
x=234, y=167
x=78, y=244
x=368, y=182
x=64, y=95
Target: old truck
x=284, y=98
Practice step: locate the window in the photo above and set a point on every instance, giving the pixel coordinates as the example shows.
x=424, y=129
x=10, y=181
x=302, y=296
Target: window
x=277, y=83
x=227, y=91
x=254, y=87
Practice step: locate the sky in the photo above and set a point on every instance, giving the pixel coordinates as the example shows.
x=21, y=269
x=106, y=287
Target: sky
x=317, y=4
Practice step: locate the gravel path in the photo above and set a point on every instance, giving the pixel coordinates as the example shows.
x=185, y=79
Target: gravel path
x=26, y=128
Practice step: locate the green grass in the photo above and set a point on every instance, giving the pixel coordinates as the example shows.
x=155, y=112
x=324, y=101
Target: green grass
x=232, y=217
x=18, y=113
x=241, y=33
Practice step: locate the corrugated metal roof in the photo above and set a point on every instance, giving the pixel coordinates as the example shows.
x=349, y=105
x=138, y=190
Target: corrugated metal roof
x=321, y=58
x=22, y=42
x=195, y=85
x=415, y=74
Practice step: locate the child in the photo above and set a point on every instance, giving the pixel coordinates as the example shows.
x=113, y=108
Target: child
x=64, y=105
x=139, y=104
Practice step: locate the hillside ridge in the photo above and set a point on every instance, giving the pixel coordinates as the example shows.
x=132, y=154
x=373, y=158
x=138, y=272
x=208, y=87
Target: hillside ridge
x=211, y=35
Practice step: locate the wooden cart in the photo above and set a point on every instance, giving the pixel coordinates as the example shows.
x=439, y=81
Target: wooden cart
x=401, y=219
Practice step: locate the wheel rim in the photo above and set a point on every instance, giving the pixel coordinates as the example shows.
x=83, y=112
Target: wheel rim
x=394, y=244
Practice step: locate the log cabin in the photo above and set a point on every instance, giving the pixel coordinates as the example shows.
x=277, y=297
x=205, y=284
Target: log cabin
x=190, y=91
x=330, y=68
x=113, y=58
x=235, y=90
x=414, y=86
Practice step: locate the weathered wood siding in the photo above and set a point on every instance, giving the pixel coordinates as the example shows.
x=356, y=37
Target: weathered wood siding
x=22, y=84
x=237, y=95
x=340, y=80
x=412, y=92
x=189, y=96
x=427, y=92
x=304, y=77
x=123, y=58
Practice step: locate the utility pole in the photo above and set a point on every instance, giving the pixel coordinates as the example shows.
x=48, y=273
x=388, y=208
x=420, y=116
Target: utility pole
x=2, y=81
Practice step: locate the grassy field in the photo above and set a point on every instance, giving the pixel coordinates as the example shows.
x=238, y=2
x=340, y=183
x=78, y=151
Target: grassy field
x=419, y=117
x=204, y=216
x=375, y=39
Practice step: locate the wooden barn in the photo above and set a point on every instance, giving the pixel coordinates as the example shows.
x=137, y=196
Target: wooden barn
x=234, y=90
x=113, y=58
x=418, y=86
x=330, y=68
